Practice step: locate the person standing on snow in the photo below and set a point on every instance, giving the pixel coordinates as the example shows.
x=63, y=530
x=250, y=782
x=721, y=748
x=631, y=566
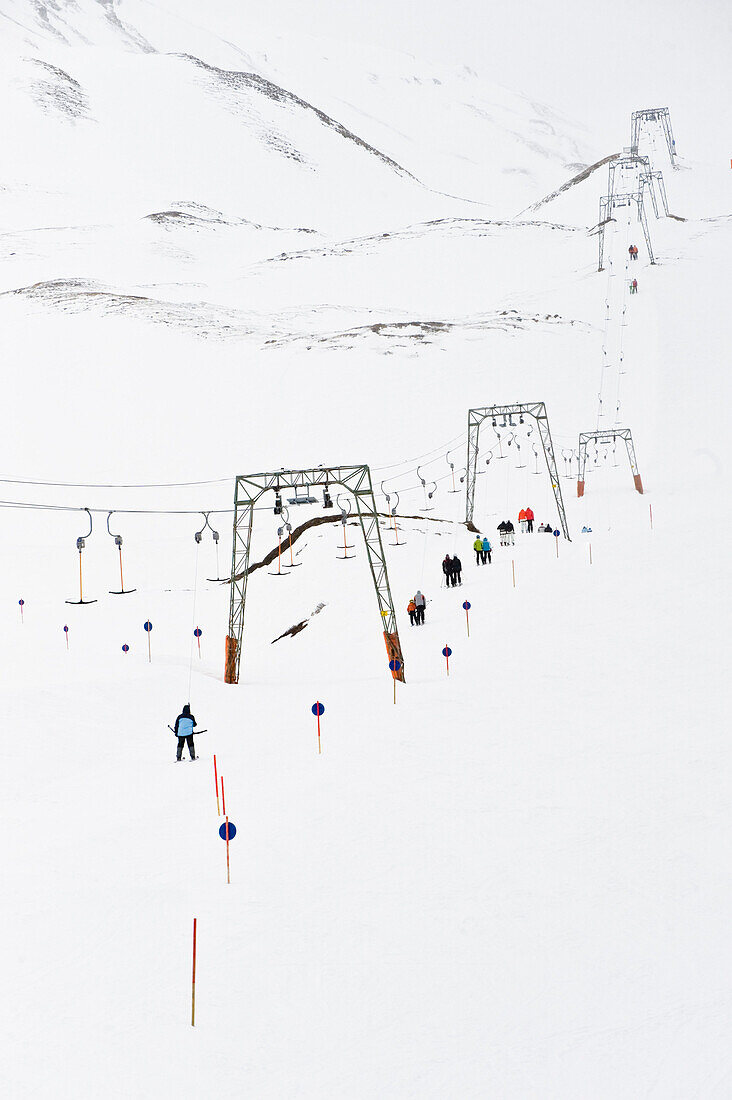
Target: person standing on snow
x=447, y=569
x=529, y=521
x=412, y=609
x=501, y=528
x=420, y=603
x=457, y=569
x=522, y=521
x=486, y=551
x=509, y=532
x=478, y=547
x=183, y=730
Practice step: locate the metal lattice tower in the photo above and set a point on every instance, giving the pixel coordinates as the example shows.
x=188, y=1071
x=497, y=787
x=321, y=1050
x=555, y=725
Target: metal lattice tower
x=659, y=115
x=608, y=436
x=645, y=176
x=536, y=410
x=356, y=480
x=608, y=203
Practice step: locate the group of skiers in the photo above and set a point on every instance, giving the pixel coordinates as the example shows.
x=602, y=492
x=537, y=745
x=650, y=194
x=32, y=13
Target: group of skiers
x=482, y=551
x=633, y=251
x=506, y=532
x=452, y=567
x=526, y=520
x=415, y=608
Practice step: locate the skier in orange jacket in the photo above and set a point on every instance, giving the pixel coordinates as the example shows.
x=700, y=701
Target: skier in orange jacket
x=529, y=520
x=522, y=521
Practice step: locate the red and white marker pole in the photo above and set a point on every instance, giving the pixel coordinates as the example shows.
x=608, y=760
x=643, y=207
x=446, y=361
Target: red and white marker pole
x=193, y=981
x=216, y=781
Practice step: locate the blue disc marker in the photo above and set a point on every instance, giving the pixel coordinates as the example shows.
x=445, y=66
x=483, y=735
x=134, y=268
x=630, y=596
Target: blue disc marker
x=232, y=831
x=395, y=665
x=318, y=709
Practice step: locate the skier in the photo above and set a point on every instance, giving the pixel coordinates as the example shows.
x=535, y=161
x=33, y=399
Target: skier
x=630, y=251
x=509, y=532
x=530, y=521
x=412, y=609
x=183, y=730
x=634, y=287
x=478, y=547
x=635, y=251
x=501, y=528
x=447, y=569
x=522, y=521
x=457, y=569
x=487, y=551
x=419, y=602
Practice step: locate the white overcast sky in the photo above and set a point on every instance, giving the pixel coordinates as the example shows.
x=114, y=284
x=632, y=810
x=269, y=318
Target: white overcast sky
x=584, y=57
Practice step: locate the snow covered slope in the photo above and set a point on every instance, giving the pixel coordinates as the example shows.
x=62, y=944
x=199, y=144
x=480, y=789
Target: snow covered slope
x=225, y=249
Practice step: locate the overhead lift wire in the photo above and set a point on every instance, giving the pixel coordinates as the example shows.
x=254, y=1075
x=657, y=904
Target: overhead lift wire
x=85, y=485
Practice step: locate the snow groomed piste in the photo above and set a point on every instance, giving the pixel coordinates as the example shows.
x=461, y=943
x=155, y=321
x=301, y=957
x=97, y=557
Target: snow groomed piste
x=228, y=250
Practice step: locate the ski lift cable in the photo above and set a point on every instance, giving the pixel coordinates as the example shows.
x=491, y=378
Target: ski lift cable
x=113, y=485
x=440, y=451
x=42, y=507
x=606, y=329
x=193, y=625
x=621, y=358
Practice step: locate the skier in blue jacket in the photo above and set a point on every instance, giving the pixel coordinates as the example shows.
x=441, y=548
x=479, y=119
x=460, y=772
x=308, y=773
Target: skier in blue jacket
x=486, y=551
x=183, y=730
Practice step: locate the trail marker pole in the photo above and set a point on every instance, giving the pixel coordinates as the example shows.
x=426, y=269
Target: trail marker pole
x=227, y=832
x=223, y=796
x=148, y=631
x=513, y=572
x=193, y=979
x=66, y=632
x=198, y=632
x=125, y=648
x=216, y=781
x=466, y=605
x=590, y=553
x=394, y=664
x=318, y=709
x=650, y=512
x=556, y=540
x=21, y=604
x=447, y=653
